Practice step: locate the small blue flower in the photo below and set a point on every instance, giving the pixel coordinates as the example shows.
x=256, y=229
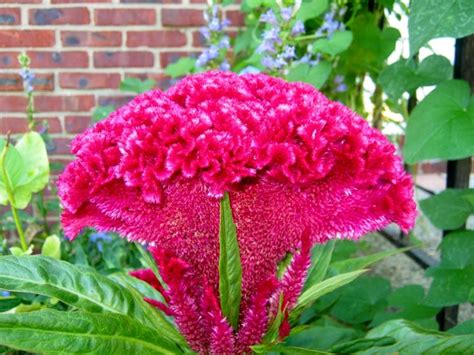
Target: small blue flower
x=289, y=52
x=100, y=236
x=340, y=85
x=249, y=70
x=5, y=294
x=28, y=77
x=224, y=65
x=224, y=43
x=272, y=35
x=298, y=28
x=269, y=17
x=268, y=62
x=215, y=25
x=206, y=33
x=280, y=62
x=266, y=47
x=286, y=13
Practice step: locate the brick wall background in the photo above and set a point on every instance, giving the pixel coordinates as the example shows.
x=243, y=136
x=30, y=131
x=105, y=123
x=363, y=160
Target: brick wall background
x=81, y=50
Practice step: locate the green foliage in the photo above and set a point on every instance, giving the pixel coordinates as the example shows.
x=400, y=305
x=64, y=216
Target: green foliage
x=230, y=268
x=320, y=258
x=448, y=111
x=452, y=278
x=315, y=75
x=450, y=208
x=50, y=331
x=52, y=247
x=413, y=339
x=25, y=170
x=338, y=43
x=439, y=18
x=102, y=112
x=136, y=85
x=406, y=75
x=311, y=8
x=182, y=67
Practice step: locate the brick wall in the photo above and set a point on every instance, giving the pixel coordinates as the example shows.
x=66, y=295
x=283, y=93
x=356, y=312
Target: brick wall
x=82, y=49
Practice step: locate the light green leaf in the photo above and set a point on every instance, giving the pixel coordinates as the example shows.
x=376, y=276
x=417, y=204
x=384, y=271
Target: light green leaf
x=142, y=287
x=52, y=247
x=407, y=76
x=324, y=287
x=413, y=339
x=12, y=170
x=311, y=8
x=322, y=337
x=16, y=251
x=285, y=349
x=51, y=331
x=364, y=261
x=78, y=287
x=136, y=85
x=449, y=209
x=338, y=43
x=357, y=345
x=320, y=259
x=439, y=18
x=183, y=66
x=448, y=111
x=452, y=277
x=230, y=268
x=315, y=75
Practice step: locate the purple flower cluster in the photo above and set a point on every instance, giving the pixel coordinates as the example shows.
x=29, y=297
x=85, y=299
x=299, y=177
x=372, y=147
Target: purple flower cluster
x=340, y=84
x=276, y=50
x=214, y=35
x=28, y=77
x=331, y=22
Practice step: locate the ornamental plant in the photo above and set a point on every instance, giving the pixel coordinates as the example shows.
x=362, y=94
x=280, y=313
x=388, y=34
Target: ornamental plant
x=175, y=170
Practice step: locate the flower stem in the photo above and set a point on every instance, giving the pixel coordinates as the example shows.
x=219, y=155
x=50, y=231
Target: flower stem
x=11, y=197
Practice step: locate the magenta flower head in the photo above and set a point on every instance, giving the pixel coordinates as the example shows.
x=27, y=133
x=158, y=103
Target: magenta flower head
x=298, y=168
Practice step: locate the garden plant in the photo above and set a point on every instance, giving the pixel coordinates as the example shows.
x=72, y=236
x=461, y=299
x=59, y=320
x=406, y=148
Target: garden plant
x=228, y=214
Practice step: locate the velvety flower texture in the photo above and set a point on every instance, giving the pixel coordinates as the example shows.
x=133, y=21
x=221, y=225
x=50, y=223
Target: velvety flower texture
x=296, y=165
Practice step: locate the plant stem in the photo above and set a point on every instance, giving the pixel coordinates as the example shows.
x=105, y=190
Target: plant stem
x=11, y=197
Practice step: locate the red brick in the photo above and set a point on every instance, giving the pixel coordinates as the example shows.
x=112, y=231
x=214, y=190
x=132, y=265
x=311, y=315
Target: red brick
x=77, y=124
x=21, y=1
x=10, y=16
x=88, y=81
x=74, y=103
x=182, y=17
x=9, y=103
x=72, y=59
x=14, y=82
x=235, y=17
x=13, y=125
x=61, y=146
x=150, y=1
x=198, y=39
x=78, y=1
x=171, y=57
x=125, y=17
x=114, y=100
x=91, y=39
x=9, y=60
x=26, y=38
x=156, y=39
x=123, y=59
x=59, y=16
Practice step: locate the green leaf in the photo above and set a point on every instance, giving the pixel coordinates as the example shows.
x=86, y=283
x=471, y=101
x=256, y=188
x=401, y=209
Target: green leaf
x=320, y=259
x=274, y=328
x=338, y=43
x=230, y=268
x=365, y=261
x=321, y=337
x=439, y=18
x=136, y=85
x=413, y=339
x=102, y=112
x=315, y=75
x=324, y=287
x=52, y=247
x=361, y=300
x=449, y=209
x=361, y=344
x=448, y=111
x=284, y=349
x=16, y=251
x=12, y=171
x=452, y=277
x=466, y=327
x=78, y=287
x=51, y=331
x=311, y=8
x=7, y=303
x=142, y=287
x=183, y=66
x=407, y=76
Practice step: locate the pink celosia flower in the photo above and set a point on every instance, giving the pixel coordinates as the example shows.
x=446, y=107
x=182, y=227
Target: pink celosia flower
x=291, y=160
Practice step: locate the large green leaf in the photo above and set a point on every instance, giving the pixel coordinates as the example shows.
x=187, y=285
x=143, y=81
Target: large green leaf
x=315, y=75
x=320, y=259
x=78, y=287
x=407, y=76
x=311, y=8
x=324, y=287
x=338, y=43
x=448, y=111
x=439, y=18
x=50, y=331
x=321, y=337
x=136, y=85
x=452, y=278
x=413, y=339
x=183, y=66
x=230, y=268
x=12, y=170
x=27, y=168
x=450, y=208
